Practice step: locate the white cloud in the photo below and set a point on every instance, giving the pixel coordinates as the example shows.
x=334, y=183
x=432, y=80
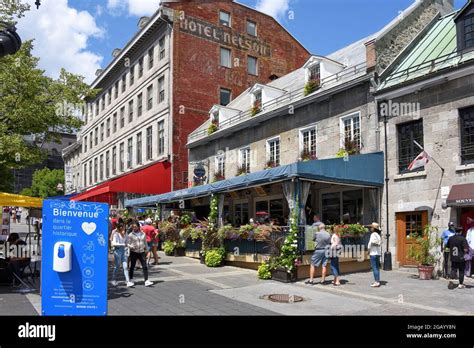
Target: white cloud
x=61, y=34
x=134, y=7
x=275, y=8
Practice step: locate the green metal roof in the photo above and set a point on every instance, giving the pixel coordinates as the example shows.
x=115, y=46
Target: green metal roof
x=436, y=51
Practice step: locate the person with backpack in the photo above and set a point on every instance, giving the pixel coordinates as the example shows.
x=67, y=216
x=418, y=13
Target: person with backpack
x=119, y=242
x=458, y=247
x=374, y=247
x=138, y=250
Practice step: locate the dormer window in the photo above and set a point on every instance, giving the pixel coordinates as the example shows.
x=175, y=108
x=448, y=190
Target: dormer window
x=465, y=28
x=315, y=72
x=313, y=78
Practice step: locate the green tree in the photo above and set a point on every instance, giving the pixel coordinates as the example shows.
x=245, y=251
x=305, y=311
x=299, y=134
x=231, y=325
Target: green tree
x=45, y=182
x=34, y=108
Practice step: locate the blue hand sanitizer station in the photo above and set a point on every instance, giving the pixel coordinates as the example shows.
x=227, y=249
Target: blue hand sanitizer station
x=74, y=258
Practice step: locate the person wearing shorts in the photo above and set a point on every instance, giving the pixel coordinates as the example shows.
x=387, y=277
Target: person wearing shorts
x=322, y=241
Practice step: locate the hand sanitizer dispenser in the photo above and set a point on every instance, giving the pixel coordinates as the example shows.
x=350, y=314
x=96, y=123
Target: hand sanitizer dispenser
x=62, y=262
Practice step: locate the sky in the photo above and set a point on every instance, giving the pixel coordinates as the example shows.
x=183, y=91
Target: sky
x=80, y=35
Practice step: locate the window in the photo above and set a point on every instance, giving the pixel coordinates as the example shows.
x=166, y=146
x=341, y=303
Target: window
x=252, y=65
x=273, y=207
x=130, y=111
x=308, y=143
x=161, y=89
x=241, y=214
x=122, y=117
x=467, y=136
x=162, y=47
x=102, y=132
x=114, y=160
x=251, y=28
x=244, y=159
x=121, y=157
x=139, y=148
x=225, y=57
x=97, y=108
x=116, y=90
x=85, y=144
x=132, y=75
x=124, y=82
x=149, y=103
x=103, y=102
x=140, y=67
x=225, y=96
x=101, y=167
x=350, y=212
x=90, y=173
x=468, y=32
x=140, y=105
x=85, y=175
x=407, y=149
x=107, y=164
x=114, y=123
x=96, y=136
x=224, y=18
x=350, y=133
x=149, y=143
x=273, y=152
x=96, y=178
x=161, y=137
x=129, y=152
x=314, y=72
x=90, y=139
x=109, y=96
x=220, y=165
x=107, y=134
x=151, y=57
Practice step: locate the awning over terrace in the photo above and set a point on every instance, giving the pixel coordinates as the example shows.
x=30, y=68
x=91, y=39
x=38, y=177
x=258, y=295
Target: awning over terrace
x=360, y=170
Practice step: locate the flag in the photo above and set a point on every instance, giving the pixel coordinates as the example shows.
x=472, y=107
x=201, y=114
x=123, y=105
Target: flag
x=420, y=161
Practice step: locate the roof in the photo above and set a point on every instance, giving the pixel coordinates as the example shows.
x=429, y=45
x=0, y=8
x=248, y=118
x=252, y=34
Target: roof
x=435, y=51
x=363, y=170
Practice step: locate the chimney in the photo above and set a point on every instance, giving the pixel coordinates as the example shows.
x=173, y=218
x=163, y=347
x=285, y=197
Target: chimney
x=116, y=52
x=371, y=55
x=143, y=21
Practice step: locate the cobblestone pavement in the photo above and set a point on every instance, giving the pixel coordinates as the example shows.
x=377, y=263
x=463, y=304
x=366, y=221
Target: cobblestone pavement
x=185, y=287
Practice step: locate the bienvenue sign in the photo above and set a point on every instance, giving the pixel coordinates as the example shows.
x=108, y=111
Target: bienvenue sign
x=222, y=36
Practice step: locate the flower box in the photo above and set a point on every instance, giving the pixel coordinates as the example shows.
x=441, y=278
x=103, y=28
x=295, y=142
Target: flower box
x=282, y=275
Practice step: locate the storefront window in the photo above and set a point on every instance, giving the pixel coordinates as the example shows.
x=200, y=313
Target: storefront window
x=241, y=214
x=273, y=207
x=331, y=208
x=351, y=211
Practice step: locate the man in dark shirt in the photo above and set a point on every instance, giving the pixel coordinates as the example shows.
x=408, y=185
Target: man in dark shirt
x=458, y=247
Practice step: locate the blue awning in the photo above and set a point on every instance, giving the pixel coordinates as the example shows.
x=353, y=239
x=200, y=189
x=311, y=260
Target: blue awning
x=362, y=170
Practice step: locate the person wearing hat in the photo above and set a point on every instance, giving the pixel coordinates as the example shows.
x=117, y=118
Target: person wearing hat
x=451, y=231
x=374, y=247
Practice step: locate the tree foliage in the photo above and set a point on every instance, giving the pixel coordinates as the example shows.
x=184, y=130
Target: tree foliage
x=10, y=10
x=45, y=182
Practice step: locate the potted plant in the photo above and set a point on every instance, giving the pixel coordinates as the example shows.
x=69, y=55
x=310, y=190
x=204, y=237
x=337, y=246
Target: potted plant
x=270, y=165
x=213, y=127
x=311, y=86
x=241, y=171
x=218, y=176
x=264, y=271
x=168, y=247
x=424, y=251
x=180, y=248
x=256, y=108
x=306, y=155
x=215, y=257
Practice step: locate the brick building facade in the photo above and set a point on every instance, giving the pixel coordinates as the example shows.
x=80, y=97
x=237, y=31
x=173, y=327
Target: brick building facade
x=186, y=58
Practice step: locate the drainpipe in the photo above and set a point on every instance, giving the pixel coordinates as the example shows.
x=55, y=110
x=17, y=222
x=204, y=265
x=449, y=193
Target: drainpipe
x=387, y=257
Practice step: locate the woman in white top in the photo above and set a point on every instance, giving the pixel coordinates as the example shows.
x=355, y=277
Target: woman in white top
x=334, y=258
x=119, y=243
x=374, y=251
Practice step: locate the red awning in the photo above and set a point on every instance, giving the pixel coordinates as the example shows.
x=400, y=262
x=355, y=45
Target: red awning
x=461, y=196
x=153, y=179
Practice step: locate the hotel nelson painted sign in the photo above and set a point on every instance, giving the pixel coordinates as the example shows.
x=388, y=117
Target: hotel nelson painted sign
x=221, y=35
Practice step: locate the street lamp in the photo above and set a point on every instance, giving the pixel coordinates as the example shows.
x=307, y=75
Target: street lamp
x=60, y=187
x=10, y=41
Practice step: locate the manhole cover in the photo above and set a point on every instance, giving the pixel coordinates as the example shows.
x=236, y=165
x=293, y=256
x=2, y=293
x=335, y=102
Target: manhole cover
x=284, y=298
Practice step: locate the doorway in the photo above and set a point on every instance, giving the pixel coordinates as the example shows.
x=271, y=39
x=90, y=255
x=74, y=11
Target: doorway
x=410, y=225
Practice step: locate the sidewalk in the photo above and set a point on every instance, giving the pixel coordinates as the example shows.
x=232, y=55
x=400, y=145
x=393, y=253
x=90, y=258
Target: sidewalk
x=185, y=287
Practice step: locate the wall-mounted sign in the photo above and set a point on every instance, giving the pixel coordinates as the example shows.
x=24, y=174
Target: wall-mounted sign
x=223, y=36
